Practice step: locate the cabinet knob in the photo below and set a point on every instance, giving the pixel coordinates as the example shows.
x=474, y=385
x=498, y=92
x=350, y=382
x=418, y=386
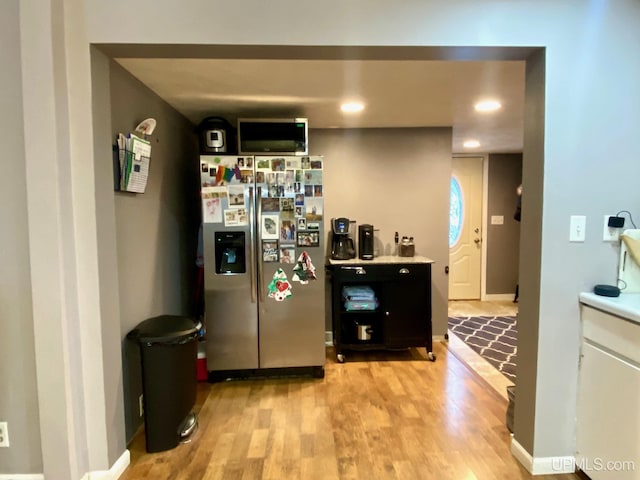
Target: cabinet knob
x=386, y=314
x=403, y=271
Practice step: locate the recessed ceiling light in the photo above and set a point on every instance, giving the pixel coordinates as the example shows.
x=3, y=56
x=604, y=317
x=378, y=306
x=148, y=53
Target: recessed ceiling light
x=487, y=106
x=471, y=144
x=352, y=107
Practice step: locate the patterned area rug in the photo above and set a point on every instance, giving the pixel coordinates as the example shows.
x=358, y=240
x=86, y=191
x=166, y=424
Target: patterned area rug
x=494, y=338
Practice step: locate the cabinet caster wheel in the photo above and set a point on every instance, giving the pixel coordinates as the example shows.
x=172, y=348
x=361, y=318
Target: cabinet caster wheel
x=340, y=358
x=431, y=356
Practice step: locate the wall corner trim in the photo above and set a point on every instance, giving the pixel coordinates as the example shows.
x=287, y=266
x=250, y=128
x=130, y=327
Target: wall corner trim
x=114, y=472
x=542, y=465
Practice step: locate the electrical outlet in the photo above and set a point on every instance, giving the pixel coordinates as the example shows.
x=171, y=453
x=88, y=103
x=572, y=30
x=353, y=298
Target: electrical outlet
x=610, y=234
x=140, y=405
x=4, y=434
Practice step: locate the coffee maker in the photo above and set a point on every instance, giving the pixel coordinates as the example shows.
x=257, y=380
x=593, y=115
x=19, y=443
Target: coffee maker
x=341, y=243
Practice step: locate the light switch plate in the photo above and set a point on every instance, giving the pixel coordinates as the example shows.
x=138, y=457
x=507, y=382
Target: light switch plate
x=577, y=228
x=497, y=219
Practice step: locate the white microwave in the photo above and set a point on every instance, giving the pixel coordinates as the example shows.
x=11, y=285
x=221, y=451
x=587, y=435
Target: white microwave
x=273, y=136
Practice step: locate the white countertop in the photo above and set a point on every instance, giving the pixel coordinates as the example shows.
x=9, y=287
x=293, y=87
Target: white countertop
x=627, y=305
x=383, y=260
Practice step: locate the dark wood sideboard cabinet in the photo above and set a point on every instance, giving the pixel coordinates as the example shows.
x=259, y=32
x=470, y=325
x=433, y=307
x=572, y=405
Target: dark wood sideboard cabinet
x=402, y=317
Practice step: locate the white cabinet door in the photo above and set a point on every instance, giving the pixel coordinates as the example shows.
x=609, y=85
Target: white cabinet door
x=608, y=417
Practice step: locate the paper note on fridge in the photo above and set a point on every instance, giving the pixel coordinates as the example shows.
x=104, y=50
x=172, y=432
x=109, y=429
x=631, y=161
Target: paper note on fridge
x=211, y=210
x=235, y=217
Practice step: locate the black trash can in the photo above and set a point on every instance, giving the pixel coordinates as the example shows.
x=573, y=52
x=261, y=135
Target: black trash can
x=511, y=395
x=168, y=351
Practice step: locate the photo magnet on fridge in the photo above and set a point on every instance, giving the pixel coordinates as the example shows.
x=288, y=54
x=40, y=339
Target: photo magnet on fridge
x=269, y=251
x=270, y=204
x=287, y=254
x=308, y=239
x=269, y=225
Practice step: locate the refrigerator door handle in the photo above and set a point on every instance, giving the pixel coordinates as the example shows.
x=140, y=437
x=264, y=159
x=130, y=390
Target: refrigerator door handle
x=253, y=245
x=258, y=221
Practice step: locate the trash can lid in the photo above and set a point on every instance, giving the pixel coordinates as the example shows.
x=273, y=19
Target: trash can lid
x=164, y=328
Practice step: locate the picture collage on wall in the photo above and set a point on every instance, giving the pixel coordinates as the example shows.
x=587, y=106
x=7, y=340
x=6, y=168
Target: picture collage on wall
x=291, y=202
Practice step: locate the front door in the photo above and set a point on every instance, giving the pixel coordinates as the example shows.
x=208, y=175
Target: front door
x=465, y=229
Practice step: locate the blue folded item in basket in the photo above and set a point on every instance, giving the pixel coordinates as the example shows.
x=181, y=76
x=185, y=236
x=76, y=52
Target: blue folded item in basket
x=360, y=292
x=356, y=305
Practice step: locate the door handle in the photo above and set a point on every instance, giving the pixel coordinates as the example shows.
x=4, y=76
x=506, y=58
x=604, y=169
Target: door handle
x=358, y=270
x=259, y=239
x=252, y=220
x=477, y=240
x=476, y=230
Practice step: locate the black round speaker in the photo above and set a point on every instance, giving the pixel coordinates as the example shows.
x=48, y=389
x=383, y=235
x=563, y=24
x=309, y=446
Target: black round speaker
x=606, y=290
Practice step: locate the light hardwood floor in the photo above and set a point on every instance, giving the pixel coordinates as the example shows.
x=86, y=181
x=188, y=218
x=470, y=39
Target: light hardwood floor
x=380, y=415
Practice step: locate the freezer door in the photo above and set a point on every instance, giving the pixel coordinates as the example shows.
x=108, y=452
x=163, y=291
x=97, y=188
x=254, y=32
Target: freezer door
x=231, y=309
x=292, y=330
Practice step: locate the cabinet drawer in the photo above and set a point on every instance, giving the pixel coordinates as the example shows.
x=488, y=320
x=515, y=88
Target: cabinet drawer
x=396, y=272
x=613, y=333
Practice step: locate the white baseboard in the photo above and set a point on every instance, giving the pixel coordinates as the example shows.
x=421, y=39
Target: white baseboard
x=499, y=297
x=542, y=465
x=114, y=472
x=21, y=476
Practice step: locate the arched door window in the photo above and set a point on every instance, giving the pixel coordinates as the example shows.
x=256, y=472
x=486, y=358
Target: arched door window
x=456, y=212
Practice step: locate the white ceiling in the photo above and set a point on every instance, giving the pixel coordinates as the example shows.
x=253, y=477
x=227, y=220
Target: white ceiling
x=397, y=93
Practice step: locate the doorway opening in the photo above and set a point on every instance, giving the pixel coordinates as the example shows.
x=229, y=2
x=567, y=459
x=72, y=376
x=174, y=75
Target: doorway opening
x=483, y=265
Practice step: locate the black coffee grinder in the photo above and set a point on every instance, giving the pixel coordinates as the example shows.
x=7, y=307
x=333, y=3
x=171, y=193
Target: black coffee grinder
x=365, y=241
x=341, y=244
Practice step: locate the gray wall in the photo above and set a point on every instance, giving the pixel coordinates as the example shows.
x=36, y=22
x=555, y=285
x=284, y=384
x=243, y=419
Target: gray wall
x=18, y=391
x=397, y=180
x=156, y=232
x=107, y=255
x=503, y=241
x=529, y=347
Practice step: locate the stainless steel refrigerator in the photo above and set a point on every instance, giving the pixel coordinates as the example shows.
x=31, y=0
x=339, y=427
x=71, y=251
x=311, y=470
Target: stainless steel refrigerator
x=263, y=250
